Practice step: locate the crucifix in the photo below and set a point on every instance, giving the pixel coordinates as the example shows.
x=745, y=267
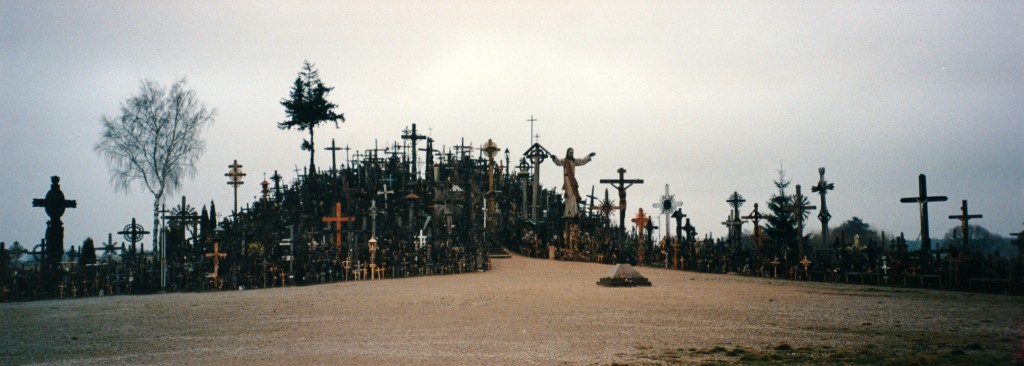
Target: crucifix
x=413, y=136
x=667, y=204
x=334, y=164
x=235, y=175
x=54, y=204
x=799, y=207
x=756, y=217
x=964, y=217
x=621, y=185
x=216, y=255
x=679, y=215
x=822, y=189
x=337, y=220
x=922, y=200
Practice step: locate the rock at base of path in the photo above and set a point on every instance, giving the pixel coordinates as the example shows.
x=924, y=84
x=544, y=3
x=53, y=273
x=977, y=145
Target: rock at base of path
x=623, y=275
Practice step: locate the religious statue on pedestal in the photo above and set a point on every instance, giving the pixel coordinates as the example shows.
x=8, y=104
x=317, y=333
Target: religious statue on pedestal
x=571, y=187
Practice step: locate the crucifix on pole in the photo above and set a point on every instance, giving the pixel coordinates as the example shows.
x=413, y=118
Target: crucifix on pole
x=622, y=184
x=922, y=200
x=964, y=217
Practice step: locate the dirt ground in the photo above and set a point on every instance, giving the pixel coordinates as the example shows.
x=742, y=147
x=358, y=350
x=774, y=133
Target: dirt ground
x=525, y=311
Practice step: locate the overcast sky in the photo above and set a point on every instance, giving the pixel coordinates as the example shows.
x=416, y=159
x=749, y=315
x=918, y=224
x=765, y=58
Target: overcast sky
x=708, y=97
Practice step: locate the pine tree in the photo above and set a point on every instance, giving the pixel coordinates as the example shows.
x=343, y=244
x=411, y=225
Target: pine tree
x=781, y=224
x=88, y=255
x=307, y=107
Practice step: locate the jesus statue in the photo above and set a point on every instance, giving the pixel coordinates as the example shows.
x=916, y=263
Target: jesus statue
x=571, y=187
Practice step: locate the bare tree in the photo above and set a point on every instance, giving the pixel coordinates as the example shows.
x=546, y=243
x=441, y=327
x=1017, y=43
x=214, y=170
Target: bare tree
x=156, y=140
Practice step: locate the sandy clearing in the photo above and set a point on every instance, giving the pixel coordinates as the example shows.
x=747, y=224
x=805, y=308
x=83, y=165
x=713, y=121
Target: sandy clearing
x=525, y=311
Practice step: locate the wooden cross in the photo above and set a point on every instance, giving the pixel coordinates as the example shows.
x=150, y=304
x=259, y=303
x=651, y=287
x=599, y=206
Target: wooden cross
x=216, y=255
x=60, y=289
x=337, y=219
x=412, y=136
x=333, y=149
x=373, y=217
x=277, y=183
x=1020, y=243
x=798, y=207
x=922, y=200
x=805, y=262
x=822, y=189
x=964, y=217
x=775, y=267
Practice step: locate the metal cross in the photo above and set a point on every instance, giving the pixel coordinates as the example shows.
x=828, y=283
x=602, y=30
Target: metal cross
x=964, y=217
x=735, y=225
x=667, y=204
x=133, y=232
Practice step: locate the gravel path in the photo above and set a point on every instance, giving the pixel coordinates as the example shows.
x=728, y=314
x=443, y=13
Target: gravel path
x=525, y=311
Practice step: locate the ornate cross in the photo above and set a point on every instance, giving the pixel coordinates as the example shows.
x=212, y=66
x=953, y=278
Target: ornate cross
x=964, y=217
x=922, y=200
x=337, y=220
x=235, y=175
x=679, y=215
x=798, y=207
x=822, y=189
x=667, y=204
x=641, y=221
x=133, y=232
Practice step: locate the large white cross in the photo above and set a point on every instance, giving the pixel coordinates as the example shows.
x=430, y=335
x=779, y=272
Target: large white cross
x=668, y=204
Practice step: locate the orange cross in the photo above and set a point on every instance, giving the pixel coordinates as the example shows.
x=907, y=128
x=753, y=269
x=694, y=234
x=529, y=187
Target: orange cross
x=216, y=255
x=337, y=219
